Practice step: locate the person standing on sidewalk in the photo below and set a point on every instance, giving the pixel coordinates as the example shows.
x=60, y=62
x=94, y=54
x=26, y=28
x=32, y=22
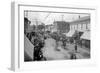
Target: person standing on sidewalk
x=75, y=47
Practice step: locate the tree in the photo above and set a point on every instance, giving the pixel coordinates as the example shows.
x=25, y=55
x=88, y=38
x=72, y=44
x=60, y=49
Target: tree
x=41, y=27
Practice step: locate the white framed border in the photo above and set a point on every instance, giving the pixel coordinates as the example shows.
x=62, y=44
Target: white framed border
x=17, y=60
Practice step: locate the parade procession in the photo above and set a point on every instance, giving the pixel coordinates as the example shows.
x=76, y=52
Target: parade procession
x=56, y=36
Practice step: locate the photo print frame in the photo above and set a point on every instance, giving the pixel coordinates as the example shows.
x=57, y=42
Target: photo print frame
x=51, y=36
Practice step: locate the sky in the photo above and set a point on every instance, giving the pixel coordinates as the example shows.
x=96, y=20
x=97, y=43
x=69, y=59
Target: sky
x=49, y=17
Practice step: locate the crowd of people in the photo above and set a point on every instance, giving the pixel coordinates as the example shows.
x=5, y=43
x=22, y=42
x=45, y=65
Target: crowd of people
x=48, y=45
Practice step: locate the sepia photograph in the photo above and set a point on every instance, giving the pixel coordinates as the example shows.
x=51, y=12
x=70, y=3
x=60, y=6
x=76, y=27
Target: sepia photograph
x=50, y=35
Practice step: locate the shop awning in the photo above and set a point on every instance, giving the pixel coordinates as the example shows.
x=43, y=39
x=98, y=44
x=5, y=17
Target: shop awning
x=70, y=33
x=86, y=35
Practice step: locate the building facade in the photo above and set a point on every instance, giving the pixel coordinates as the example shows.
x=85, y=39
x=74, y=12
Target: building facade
x=81, y=24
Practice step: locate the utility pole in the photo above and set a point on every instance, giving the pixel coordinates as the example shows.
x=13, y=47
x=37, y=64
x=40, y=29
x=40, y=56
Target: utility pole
x=36, y=23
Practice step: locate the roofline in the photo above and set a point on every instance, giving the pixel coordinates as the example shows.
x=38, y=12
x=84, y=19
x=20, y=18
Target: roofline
x=81, y=19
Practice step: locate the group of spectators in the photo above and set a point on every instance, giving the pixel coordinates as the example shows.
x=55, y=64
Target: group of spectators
x=37, y=38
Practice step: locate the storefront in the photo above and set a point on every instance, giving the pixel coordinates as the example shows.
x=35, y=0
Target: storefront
x=85, y=39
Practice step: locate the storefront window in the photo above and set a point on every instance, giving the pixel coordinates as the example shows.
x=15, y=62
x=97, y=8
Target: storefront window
x=79, y=26
x=88, y=26
x=84, y=27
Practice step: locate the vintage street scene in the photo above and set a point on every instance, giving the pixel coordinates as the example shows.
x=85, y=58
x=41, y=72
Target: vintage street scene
x=56, y=36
